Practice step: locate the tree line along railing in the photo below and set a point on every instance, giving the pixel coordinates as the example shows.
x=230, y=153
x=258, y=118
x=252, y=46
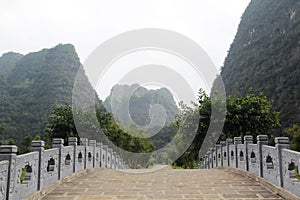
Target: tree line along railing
x=278, y=164
x=22, y=175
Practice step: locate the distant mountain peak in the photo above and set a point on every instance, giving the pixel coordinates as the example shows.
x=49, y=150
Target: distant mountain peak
x=139, y=104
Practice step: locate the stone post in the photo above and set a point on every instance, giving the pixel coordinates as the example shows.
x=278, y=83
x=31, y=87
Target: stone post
x=9, y=152
x=261, y=140
x=58, y=143
x=93, y=143
x=217, y=147
x=99, y=146
x=211, y=157
x=248, y=139
x=222, y=144
x=117, y=161
x=281, y=143
x=114, y=160
x=237, y=140
x=84, y=142
x=207, y=160
x=104, y=163
x=228, y=143
x=121, y=161
x=72, y=141
x=39, y=146
x=109, y=158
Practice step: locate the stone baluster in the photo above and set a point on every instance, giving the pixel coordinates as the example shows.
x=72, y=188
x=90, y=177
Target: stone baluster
x=9, y=153
x=105, y=149
x=58, y=143
x=228, y=143
x=99, y=146
x=39, y=146
x=222, y=144
x=261, y=140
x=209, y=159
x=114, y=161
x=93, y=143
x=109, y=158
x=121, y=163
x=248, y=139
x=72, y=141
x=84, y=142
x=211, y=153
x=281, y=143
x=117, y=161
x=237, y=140
x=217, y=147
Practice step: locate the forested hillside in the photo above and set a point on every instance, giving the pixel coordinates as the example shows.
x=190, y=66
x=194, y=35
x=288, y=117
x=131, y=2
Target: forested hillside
x=8, y=62
x=36, y=94
x=265, y=55
x=32, y=85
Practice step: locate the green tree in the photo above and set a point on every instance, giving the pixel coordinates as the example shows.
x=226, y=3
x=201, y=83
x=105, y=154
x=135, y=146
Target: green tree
x=127, y=138
x=249, y=115
x=25, y=146
x=265, y=55
x=60, y=124
x=294, y=133
x=189, y=159
x=10, y=141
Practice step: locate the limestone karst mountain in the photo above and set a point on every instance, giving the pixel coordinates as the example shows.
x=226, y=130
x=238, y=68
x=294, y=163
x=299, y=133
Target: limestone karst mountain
x=135, y=105
x=265, y=55
x=31, y=85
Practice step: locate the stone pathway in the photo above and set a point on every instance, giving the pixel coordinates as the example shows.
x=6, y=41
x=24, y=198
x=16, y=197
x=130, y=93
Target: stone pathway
x=165, y=183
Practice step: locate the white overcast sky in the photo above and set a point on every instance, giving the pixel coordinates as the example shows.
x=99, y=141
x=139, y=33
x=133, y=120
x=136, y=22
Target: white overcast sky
x=31, y=25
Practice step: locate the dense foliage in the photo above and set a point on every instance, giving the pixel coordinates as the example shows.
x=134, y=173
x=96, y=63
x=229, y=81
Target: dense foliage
x=33, y=85
x=8, y=62
x=294, y=133
x=249, y=115
x=127, y=138
x=265, y=55
x=245, y=115
x=61, y=125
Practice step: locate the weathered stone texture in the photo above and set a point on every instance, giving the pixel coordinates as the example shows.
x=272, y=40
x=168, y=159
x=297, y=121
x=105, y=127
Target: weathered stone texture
x=278, y=164
x=23, y=175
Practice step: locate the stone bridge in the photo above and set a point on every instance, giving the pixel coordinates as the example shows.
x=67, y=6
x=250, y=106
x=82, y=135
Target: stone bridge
x=93, y=171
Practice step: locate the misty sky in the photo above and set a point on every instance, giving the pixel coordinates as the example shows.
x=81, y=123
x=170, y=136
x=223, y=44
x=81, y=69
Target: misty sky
x=31, y=25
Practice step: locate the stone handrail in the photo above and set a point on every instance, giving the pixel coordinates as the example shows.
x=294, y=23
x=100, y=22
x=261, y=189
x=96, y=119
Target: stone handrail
x=278, y=164
x=22, y=175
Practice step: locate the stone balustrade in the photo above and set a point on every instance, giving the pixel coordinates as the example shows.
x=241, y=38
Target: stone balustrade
x=22, y=175
x=278, y=164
